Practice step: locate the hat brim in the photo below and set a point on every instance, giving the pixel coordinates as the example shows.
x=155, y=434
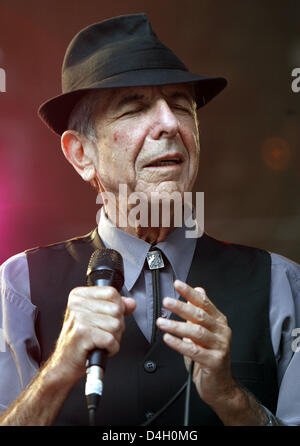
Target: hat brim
x=56, y=111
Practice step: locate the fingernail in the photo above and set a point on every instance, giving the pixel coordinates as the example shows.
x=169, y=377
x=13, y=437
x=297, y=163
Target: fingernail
x=163, y=322
x=168, y=337
x=201, y=291
x=180, y=284
x=168, y=302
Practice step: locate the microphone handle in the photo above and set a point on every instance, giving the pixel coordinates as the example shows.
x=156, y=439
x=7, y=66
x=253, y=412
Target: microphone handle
x=95, y=367
x=98, y=356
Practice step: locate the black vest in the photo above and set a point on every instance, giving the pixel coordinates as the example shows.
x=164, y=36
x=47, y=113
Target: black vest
x=237, y=280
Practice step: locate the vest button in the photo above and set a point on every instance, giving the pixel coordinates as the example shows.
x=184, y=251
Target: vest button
x=164, y=312
x=149, y=415
x=150, y=366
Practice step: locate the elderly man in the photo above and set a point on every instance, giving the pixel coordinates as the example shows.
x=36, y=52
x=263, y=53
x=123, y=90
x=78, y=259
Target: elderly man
x=128, y=115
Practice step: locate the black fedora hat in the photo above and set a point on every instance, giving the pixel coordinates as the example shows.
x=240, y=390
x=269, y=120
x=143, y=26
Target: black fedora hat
x=119, y=52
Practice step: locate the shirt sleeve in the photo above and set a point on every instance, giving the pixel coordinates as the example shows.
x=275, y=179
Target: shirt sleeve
x=19, y=348
x=284, y=320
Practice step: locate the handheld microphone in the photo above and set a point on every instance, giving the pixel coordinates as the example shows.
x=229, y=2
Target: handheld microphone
x=105, y=269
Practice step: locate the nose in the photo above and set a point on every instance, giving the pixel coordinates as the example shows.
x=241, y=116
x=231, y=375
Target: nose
x=165, y=123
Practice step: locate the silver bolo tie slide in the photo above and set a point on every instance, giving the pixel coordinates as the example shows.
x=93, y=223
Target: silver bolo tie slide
x=155, y=260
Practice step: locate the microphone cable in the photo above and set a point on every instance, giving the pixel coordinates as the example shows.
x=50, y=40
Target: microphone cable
x=188, y=395
x=92, y=416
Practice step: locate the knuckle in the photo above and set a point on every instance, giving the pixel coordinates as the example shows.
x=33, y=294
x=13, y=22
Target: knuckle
x=117, y=311
x=76, y=291
x=224, y=343
x=202, y=293
x=200, y=315
x=194, y=351
x=199, y=331
x=81, y=329
x=74, y=298
x=111, y=293
x=226, y=336
x=229, y=333
x=220, y=357
x=111, y=344
x=222, y=320
x=117, y=326
x=204, y=300
x=225, y=320
x=174, y=325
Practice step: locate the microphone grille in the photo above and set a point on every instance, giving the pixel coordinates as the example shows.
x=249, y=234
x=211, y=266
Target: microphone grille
x=108, y=258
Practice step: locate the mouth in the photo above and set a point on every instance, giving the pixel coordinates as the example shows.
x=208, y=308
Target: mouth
x=166, y=161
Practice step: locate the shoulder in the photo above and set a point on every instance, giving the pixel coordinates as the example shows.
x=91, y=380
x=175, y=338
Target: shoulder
x=62, y=245
x=65, y=252
x=234, y=253
x=219, y=243
x=14, y=274
x=243, y=257
x=286, y=265
x=15, y=285
x=278, y=261
x=285, y=275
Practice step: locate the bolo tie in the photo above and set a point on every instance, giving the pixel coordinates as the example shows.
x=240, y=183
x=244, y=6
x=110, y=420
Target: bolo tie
x=155, y=263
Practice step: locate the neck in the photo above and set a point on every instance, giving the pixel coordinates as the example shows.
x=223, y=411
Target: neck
x=150, y=235
x=145, y=230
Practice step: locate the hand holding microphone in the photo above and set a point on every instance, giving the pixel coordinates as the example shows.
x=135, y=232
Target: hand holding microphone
x=93, y=324
x=105, y=269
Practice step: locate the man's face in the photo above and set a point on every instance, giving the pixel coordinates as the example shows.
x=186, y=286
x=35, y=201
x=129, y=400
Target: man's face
x=147, y=139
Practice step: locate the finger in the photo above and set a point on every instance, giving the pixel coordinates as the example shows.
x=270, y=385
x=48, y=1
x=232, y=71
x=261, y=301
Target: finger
x=130, y=305
x=98, y=299
x=108, y=293
x=96, y=306
x=204, y=357
x=190, y=313
x=198, y=297
x=104, y=301
x=106, y=341
x=102, y=323
x=198, y=334
x=85, y=334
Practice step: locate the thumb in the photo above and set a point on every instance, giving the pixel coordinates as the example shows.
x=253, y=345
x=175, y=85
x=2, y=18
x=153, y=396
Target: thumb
x=130, y=305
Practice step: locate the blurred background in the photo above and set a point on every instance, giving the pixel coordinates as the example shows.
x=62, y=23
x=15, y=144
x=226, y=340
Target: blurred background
x=250, y=134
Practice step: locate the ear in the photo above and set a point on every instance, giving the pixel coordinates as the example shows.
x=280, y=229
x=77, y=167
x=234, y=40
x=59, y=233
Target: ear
x=80, y=152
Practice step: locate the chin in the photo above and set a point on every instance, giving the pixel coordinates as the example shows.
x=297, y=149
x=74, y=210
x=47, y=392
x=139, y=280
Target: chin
x=166, y=187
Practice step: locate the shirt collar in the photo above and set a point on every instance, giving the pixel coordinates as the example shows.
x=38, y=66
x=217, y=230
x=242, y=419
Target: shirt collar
x=178, y=249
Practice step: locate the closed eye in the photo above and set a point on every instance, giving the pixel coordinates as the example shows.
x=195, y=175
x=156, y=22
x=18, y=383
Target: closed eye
x=182, y=108
x=133, y=111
